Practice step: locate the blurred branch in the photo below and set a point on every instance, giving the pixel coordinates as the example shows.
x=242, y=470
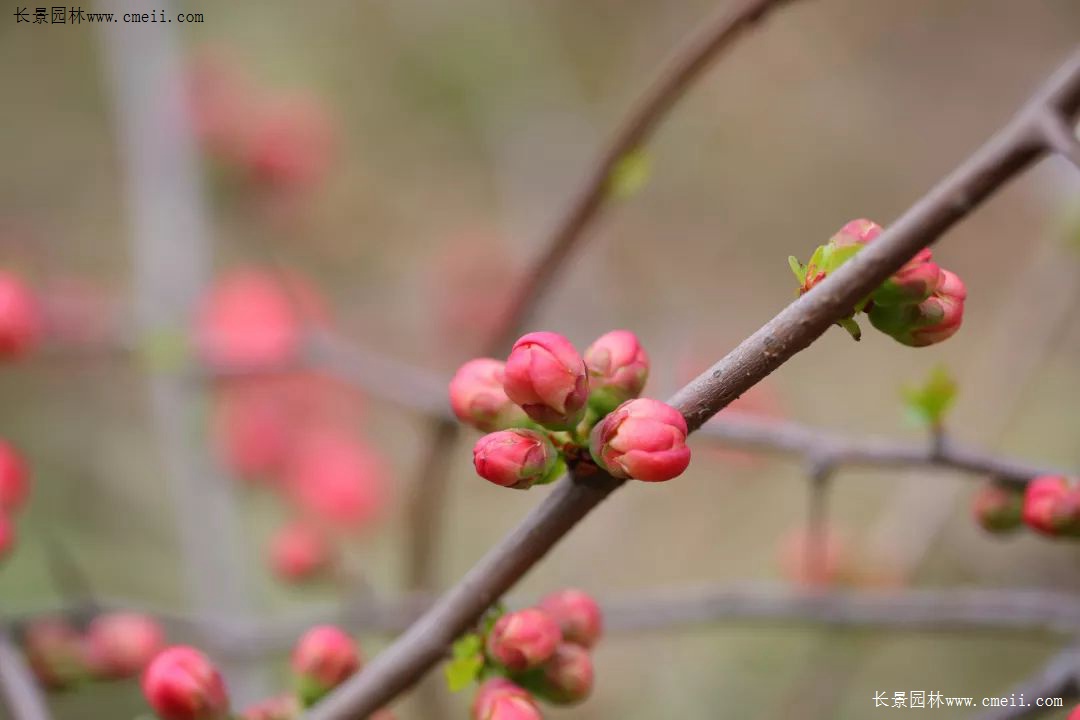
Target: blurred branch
x=1018, y=145
x=171, y=257
x=21, y=695
x=1062, y=138
x=1060, y=678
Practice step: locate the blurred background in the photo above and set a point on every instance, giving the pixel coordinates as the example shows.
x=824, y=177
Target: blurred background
x=399, y=164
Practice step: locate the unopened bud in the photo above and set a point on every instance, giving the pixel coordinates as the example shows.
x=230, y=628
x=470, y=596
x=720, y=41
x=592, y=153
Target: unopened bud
x=500, y=699
x=523, y=639
x=568, y=676
x=122, y=644
x=55, y=652
x=1052, y=505
x=182, y=684
x=643, y=439
x=14, y=478
x=478, y=398
x=517, y=458
x=299, y=552
x=547, y=378
x=998, y=509
x=933, y=320
x=323, y=659
x=577, y=614
x=618, y=368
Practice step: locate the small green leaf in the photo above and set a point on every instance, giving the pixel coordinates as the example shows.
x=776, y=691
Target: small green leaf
x=630, y=174
x=929, y=403
x=466, y=663
x=797, y=268
x=837, y=256
x=164, y=350
x=852, y=327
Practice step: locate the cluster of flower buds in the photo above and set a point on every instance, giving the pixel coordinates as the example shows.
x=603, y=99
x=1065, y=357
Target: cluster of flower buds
x=539, y=653
x=279, y=142
x=291, y=432
x=1052, y=506
x=14, y=490
x=183, y=684
x=547, y=405
x=921, y=304
x=114, y=646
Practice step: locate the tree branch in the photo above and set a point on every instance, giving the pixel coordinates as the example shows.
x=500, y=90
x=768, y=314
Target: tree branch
x=19, y=690
x=1060, y=678
x=1006, y=155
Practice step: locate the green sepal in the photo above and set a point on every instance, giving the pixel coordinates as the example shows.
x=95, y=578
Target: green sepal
x=927, y=404
x=558, y=469
x=851, y=326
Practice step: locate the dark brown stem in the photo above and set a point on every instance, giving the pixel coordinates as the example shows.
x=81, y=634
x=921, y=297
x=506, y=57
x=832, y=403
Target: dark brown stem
x=1006, y=155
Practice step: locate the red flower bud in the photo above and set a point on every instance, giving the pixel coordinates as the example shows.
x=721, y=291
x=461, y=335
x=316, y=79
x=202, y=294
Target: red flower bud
x=912, y=283
x=577, y=614
x=323, y=659
x=182, y=684
x=120, y=645
x=478, y=398
x=568, y=676
x=337, y=480
x=618, y=368
x=517, y=458
x=300, y=552
x=643, y=439
x=291, y=143
x=14, y=478
x=547, y=378
x=1075, y=714
x=998, y=509
x=500, y=699
x=523, y=639
x=20, y=317
x=55, y=651
x=279, y=707
x=1052, y=505
x=7, y=536
x=935, y=319
x=249, y=318
x=856, y=232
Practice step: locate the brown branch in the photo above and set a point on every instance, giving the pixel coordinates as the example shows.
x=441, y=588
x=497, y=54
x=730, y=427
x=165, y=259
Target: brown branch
x=424, y=518
x=790, y=438
x=1060, y=678
x=1007, y=154
x=19, y=692
x=1061, y=136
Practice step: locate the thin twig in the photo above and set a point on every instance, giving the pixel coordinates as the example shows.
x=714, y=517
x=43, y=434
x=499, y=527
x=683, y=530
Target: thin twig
x=21, y=695
x=1006, y=155
x=171, y=251
x=1060, y=678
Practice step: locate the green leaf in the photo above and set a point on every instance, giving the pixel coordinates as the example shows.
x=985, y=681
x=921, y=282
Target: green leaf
x=837, y=256
x=797, y=268
x=852, y=327
x=630, y=174
x=928, y=403
x=467, y=662
x=164, y=350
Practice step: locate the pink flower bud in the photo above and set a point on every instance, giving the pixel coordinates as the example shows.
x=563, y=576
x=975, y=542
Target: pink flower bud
x=1052, y=505
x=618, y=368
x=279, y=707
x=856, y=232
x=337, y=480
x=323, y=659
x=998, y=509
x=568, y=676
x=517, y=458
x=500, y=699
x=291, y=143
x=1075, y=714
x=182, y=684
x=299, y=552
x=643, y=439
x=577, y=614
x=547, y=378
x=935, y=319
x=14, y=478
x=7, y=536
x=20, y=317
x=121, y=644
x=55, y=651
x=523, y=639
x=912, y=283
x=249, y=318
x=478, y=398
